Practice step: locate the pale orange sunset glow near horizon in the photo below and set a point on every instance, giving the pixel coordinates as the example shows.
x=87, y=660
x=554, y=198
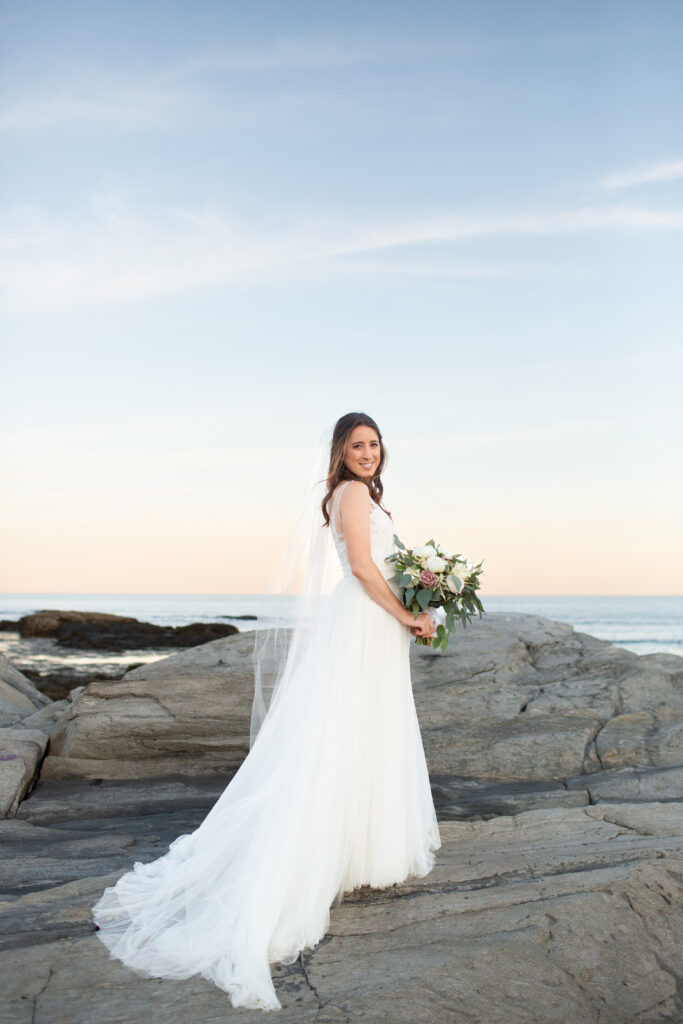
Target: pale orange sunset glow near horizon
x=535, y=531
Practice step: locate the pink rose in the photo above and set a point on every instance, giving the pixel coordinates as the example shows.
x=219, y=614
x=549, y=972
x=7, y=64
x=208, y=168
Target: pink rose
x=427, y=578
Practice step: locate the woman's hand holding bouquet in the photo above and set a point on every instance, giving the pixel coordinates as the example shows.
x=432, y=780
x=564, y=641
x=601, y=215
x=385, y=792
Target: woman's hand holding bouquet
x=439, y=583
x=424, y=626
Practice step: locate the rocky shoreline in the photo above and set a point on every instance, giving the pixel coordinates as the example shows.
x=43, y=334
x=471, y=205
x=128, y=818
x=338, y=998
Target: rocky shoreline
x=60, y=650
x=556, y=762
x=102, y=631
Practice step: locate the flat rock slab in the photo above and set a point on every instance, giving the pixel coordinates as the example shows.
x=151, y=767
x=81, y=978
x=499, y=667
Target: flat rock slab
x=69, y=829
x=564, y=915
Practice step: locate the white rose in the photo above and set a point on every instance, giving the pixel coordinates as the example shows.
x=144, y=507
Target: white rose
x=452, y=584
x=435, y=564
x=443, y=551
x=424, y=551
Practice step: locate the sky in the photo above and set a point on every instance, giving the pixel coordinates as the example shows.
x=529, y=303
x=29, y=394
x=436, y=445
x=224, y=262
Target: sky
x=222, y=226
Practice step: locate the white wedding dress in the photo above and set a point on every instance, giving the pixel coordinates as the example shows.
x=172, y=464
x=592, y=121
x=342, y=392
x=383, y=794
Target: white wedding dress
x=334, y=794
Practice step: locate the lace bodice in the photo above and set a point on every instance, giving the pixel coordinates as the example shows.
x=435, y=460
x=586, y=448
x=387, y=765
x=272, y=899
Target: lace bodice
x=382, y=530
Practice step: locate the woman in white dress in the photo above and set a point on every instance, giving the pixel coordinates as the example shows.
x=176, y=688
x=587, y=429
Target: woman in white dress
x=334, y=792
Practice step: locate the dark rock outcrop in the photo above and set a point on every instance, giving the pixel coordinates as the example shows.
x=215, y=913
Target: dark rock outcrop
x=58, y=685
x=104, y=632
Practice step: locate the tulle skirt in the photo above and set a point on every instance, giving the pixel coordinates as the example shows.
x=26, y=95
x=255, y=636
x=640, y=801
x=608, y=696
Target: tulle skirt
x=334, y=794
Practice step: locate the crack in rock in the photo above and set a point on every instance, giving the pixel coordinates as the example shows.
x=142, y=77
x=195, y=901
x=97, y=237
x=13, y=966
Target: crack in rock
x=592, y=745
x=677, y=980
x=308, y=980
x=34, y=998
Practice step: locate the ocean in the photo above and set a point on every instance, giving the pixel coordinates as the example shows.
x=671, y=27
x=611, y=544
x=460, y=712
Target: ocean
x=644, y=625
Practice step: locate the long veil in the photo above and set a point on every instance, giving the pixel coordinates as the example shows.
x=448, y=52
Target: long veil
x=304, y=576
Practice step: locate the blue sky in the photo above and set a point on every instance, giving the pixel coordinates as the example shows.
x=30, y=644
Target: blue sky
x=223, y=227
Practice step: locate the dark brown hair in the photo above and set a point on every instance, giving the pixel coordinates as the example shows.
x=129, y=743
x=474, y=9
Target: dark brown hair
x=338, y=470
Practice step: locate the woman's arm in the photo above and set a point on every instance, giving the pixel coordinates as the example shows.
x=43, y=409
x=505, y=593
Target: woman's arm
x=354, y=509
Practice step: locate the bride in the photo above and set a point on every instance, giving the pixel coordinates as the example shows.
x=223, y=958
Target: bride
x=334, y=792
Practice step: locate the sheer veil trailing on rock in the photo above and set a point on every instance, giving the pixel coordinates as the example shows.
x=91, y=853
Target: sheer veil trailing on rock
x=304, y=577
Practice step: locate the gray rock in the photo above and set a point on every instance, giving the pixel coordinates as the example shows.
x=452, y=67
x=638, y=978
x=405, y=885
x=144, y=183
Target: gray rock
x=19, y=698
x=21, y=751
x=643, y=738
x=516, y=699
x=554, y=915
x=15, y=684
x=189, y=712
x=26, y=718
x=556, y=768
x=630, y=784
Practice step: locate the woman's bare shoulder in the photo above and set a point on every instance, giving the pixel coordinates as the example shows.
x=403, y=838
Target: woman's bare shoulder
x=353, y=488
x=354, y=498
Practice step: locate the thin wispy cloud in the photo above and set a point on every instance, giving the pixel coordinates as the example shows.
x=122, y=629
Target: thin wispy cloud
x=454, y=269
x=115, y=256
x=125, y=107
x=304, y=53
x=160, y=98
x=669, y=170
x=315, y=53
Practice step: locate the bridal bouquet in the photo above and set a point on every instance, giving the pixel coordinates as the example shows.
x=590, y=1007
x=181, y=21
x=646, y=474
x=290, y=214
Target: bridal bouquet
x=436, y=581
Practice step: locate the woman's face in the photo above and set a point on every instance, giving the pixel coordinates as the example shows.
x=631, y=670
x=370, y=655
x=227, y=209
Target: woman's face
x=362, y=452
